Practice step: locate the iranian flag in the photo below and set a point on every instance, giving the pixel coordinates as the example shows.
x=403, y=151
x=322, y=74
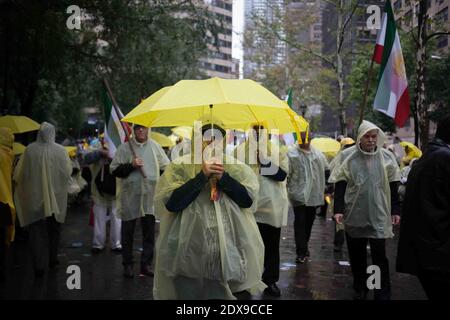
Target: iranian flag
x=392, y=96
x=114, y=131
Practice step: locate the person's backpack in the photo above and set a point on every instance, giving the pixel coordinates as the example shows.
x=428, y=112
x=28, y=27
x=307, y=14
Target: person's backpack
x=105, y=181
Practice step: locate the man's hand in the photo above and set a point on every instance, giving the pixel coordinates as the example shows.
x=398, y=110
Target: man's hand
x=138, y=162
x=395, y=219
x=339, y=218
x=213, y=169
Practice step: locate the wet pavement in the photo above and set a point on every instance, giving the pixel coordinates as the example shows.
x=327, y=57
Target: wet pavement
x=326, y=276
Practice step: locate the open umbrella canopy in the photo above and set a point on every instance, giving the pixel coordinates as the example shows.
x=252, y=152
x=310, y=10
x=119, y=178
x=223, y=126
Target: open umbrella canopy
x=163, y=140
x=71, y=150
x=414, y=152
x=328, y=146
x=237, y=103
x=18, y=148
x=19, y=124
x=183, y=131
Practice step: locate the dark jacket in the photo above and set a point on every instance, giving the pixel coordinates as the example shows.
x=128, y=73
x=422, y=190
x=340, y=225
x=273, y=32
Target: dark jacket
x=424, y=242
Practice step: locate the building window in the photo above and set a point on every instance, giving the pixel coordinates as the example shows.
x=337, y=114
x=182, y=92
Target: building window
x=223, y=5
x=220, y=68
x=442, y=16
x=442, y=42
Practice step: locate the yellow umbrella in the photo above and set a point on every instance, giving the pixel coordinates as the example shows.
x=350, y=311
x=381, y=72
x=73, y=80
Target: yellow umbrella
x=71, y=150
x=19, y=124
x=18, y=148
x=163, y=140
x=183, y=131
x=173, y=138
x=414, y=151
x=328, y=146
x=237, y=103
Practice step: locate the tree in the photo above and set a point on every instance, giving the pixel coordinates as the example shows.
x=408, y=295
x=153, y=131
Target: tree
x=286, y=28
x=422, y=40
x=51, y=72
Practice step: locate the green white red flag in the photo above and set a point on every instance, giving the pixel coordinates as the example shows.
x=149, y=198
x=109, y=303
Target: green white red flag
x=392, y=96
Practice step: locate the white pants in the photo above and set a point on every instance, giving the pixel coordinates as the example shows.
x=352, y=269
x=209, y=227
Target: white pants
x=100, y=219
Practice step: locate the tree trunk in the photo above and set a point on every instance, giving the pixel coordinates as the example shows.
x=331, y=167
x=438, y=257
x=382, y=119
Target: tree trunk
x=339, y=71
x=419, y=98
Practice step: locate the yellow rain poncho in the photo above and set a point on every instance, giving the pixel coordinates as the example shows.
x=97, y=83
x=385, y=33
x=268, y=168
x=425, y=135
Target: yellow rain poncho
x=42, y=179
x=6, y=164
x=367, y=196
x=135, y=193
x=306, y=180
x=273, y=204
x=212, y=248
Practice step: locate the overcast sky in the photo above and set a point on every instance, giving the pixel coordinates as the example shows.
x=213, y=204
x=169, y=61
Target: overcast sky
x=238, y=28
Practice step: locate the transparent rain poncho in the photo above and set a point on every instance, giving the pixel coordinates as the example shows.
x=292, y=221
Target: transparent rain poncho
x=212, y=248
x=306, y=180
x=6, y=164
x=273, y=204
x=367, y=196
x=42, y=178
x=135, y=193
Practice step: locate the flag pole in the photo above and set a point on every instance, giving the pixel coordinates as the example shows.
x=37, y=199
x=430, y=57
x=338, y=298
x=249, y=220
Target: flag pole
x=366, y=91
x=114, y=103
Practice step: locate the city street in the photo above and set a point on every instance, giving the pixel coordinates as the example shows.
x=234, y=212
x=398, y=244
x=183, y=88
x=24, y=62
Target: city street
x=326, y=276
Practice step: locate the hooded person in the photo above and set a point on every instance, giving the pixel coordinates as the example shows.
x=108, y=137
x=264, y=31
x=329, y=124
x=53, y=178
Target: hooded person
x=7, y=209
x=137, y=177
x=103, y=194
x=424, y=240
x=306, y=187
x=209, y=246
x=271, y=166
x=366, y=201
x=42, y=178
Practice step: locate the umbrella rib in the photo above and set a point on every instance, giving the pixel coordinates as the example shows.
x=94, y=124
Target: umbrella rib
x=225, y=98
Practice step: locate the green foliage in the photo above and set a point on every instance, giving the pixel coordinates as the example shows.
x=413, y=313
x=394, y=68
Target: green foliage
x=51, y=73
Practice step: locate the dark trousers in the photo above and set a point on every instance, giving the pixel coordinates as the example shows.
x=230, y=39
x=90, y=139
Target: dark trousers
x=148, y=240
x=357, y=251
x=44, y=241
x=303, y=222
x=339, y=237
x=435, y=283
x=271, y=239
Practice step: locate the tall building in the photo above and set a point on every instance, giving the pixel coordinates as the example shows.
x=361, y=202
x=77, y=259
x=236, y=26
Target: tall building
x=219, y=61
x=269, y=12
x=406, y=11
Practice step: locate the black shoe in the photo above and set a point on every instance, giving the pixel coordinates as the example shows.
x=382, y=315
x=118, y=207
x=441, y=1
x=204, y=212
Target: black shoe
x=360, y=295
x=128, y=271
x=300, y=259
x=96, y=250
x=147, y=271
x=117, y=250
x=272, y=290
